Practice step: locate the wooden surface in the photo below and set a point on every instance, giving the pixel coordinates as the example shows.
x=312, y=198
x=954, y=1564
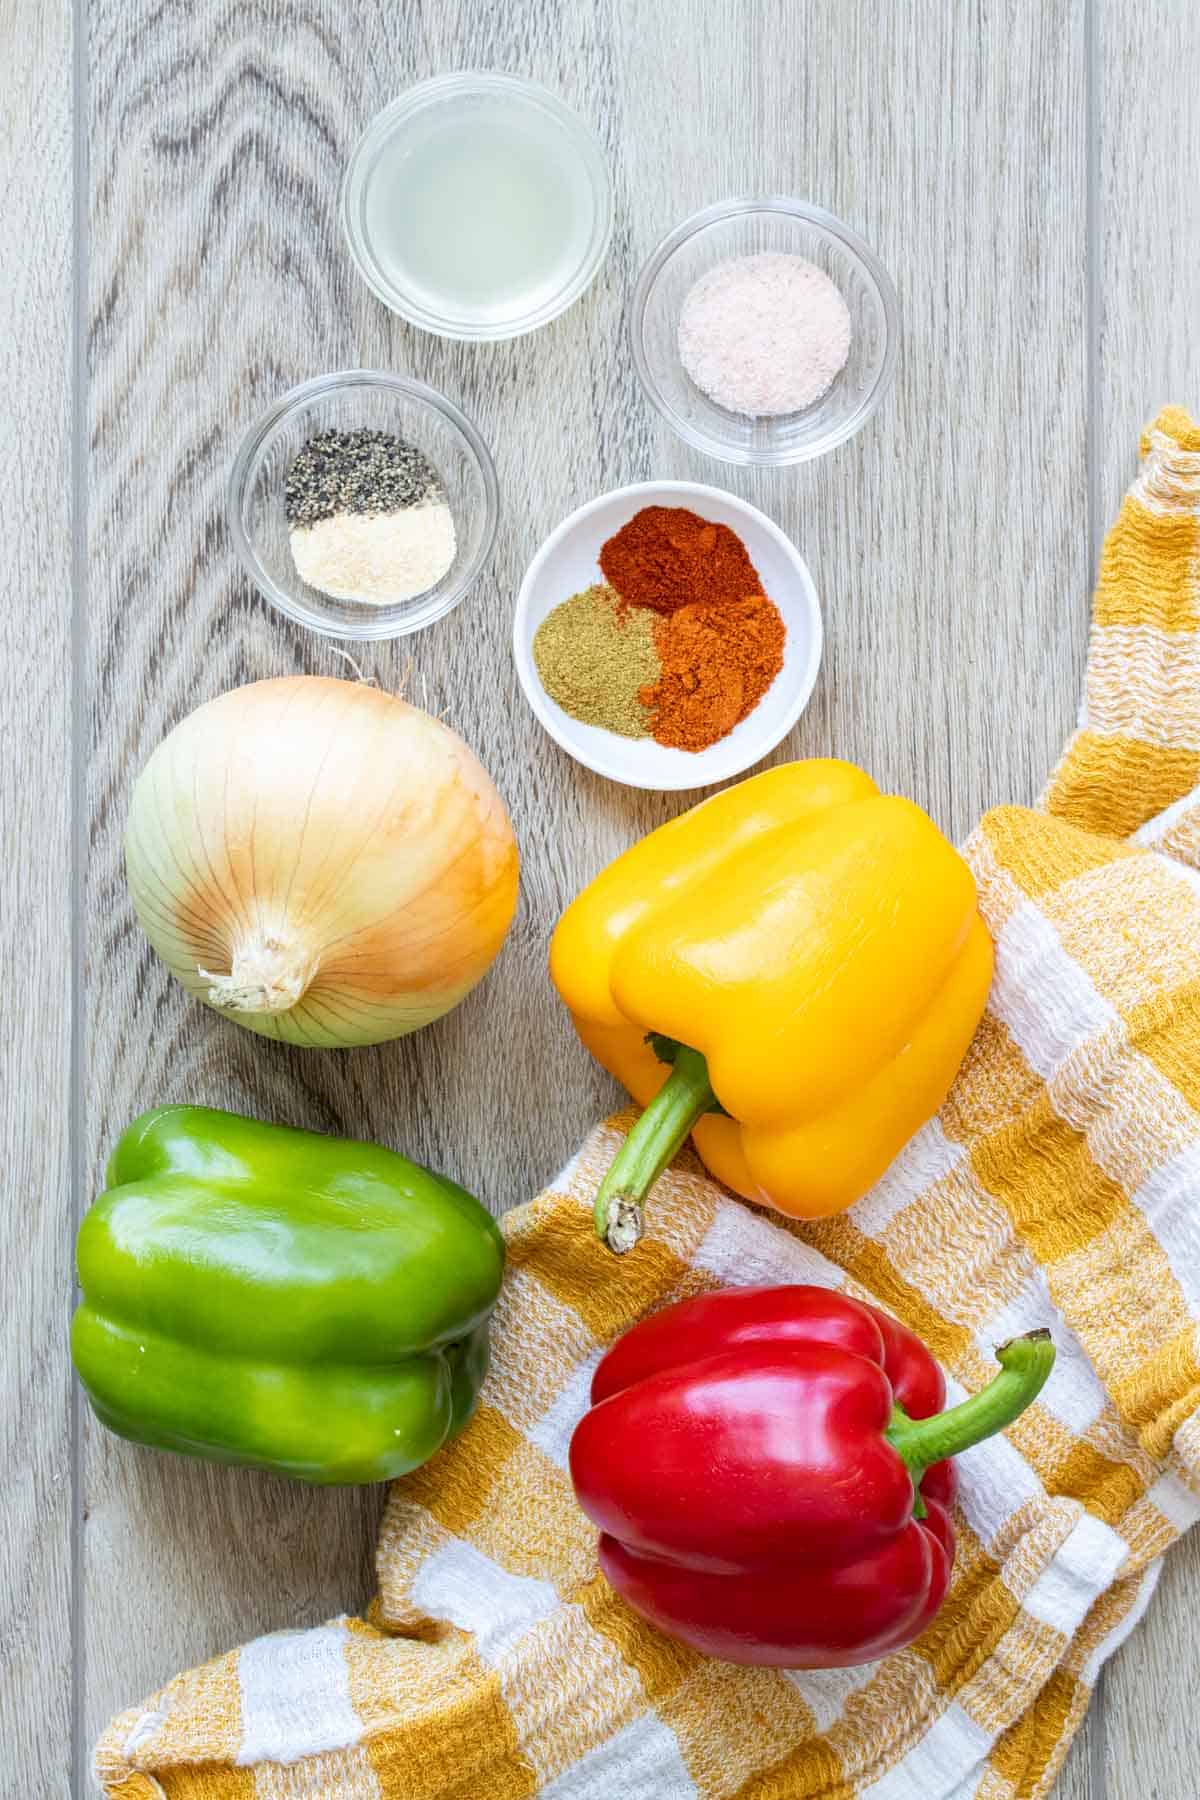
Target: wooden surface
x=1030, y=174
x=36, y=618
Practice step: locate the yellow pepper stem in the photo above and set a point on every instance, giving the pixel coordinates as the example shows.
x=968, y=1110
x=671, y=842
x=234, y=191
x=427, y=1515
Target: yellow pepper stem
x=655, y=1139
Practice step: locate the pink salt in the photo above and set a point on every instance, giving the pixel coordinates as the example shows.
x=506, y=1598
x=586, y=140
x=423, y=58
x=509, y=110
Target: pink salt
x=764, y=334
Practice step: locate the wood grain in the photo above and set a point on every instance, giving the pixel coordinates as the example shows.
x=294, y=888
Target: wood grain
x=36, y=313
x=1148, y=353
x=945, y=542
x=950, y=544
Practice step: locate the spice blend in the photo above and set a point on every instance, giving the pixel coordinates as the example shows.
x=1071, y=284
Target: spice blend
x=595, y=656
x=681, y=644
x=368, y=517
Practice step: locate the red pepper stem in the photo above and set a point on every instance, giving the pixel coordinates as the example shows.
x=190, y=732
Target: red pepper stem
x=1025, y=1363
x=654, y=1141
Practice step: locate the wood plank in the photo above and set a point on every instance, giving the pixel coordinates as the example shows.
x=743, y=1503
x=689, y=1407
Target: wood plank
x=944, y=542
x=1080, y=1778
x=1148, y=347
x=946, y=538
x=1148, y=353
x=36, y=312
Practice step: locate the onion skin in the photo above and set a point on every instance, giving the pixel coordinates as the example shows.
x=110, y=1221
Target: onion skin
x=321, y=861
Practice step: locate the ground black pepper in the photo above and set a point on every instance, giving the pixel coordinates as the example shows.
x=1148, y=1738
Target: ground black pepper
x=357, y=472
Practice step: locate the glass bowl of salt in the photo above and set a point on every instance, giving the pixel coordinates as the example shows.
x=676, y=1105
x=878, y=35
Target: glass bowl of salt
x=363, y=505
x=765, y=331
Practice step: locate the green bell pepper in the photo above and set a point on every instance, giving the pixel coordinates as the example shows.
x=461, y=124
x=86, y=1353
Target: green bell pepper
x=254, y=1294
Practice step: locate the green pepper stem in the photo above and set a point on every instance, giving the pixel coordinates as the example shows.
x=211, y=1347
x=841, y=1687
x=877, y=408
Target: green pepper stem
x=654, y=1140
x=1025, y=1363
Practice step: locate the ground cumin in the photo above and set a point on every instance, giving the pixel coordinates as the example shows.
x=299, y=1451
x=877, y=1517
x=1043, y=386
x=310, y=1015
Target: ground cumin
x=667, y=557
x=594, y=657
x=717, y=663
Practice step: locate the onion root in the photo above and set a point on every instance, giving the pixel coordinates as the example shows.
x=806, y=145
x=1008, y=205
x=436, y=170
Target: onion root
x=267, y=975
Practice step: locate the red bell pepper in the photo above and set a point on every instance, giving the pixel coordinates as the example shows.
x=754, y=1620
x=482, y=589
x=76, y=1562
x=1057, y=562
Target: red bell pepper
x=768, y=1470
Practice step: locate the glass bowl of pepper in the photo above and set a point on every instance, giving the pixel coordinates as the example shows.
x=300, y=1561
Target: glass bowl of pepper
x=363, y=505
x=667, y=635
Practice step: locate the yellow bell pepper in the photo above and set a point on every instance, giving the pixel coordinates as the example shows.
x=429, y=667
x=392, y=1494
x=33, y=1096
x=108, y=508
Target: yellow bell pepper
x=792, y=973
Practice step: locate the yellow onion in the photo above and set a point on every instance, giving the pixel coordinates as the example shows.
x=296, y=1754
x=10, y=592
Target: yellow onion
x=321, y=861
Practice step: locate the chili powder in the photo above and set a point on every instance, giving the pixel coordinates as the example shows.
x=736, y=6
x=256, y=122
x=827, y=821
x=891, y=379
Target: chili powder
x=667, y=557
x=717, y=663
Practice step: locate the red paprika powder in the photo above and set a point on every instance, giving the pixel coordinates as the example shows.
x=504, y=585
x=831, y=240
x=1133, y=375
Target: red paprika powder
x=667, y=557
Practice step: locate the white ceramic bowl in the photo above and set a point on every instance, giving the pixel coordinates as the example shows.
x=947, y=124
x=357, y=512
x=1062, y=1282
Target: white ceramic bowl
x=567, y=562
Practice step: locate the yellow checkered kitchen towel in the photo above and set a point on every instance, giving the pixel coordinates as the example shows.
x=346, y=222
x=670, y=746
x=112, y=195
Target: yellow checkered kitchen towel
x=1060, y=1184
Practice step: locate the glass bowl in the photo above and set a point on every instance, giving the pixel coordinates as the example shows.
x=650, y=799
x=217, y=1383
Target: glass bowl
x=555, y=181
x=746, y=228
x=354, y=400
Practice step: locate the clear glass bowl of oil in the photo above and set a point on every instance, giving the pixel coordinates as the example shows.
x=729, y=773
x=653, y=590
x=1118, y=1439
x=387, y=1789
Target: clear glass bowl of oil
x=477, y=206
